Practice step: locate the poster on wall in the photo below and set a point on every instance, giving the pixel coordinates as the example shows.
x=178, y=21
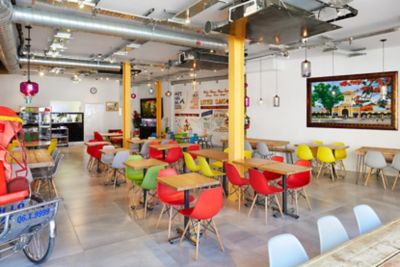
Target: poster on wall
x=186, y=103
x=360, y=101
x=212, y=98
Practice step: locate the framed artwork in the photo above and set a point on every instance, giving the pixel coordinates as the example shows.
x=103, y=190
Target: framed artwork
x=148, y=107
x=112, y=106
x=359, y=101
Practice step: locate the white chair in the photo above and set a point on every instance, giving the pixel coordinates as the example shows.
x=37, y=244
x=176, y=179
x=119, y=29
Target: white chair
x=396, y=166
x=286, y=251
x=375, y=161
x=263, y=151
x=107, y=159
x=144, y=151
x=367, y=220
x=118, y=164
x=331, y=233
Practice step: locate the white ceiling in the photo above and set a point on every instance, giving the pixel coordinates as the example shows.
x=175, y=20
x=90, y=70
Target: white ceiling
x=372, y=15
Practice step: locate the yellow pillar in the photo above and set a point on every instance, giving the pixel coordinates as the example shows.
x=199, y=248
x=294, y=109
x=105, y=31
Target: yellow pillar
x=126, y=99
x=158, y=108
x=236, y=92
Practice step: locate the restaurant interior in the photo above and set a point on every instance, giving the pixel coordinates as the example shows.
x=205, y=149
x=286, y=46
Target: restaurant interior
x=199, y=133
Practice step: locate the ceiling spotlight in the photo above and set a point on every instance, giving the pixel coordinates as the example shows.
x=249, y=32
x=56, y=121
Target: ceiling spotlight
x=168, y=93
x=81, y=4
x=187, y=20
x=107, y=78
x=151, y=91
x=41, y=73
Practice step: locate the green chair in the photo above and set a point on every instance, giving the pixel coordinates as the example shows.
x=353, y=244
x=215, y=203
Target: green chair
x=149, y=183
x=190, y=163
x=135, y=176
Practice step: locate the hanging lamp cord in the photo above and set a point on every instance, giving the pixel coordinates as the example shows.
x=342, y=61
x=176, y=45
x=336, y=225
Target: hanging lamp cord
x=261, y=78
x=28, y=46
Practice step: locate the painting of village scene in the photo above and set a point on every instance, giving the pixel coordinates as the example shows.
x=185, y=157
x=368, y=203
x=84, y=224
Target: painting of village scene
x=366, y=101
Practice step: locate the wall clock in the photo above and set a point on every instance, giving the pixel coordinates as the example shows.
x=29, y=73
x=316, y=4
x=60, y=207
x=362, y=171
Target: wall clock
x=93, y=90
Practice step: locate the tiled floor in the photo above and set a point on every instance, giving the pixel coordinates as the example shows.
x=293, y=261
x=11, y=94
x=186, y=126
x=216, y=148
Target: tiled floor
x=96, y=228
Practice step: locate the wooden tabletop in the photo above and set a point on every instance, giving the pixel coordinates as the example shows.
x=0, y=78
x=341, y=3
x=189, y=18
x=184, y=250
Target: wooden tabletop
x=169, y=146
x=137, y=141
x=283, y=168
x=376, y=248
x=188, y=181
x=211, y=154
x=254, y=162
x=144, y=163
x=331, y=146
x=269, y=142
x=37, y=158
x=97, y=143
x=387, y=151
x=37, y=144
x=111, y=134
x=112, y=151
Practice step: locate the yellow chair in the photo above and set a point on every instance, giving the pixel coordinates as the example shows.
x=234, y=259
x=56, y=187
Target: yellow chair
x=52, y=146
x=304, y=152
x=315, y=149
x=327, y=159
x=318, y=142
x=218, y=164
x=190, y=163
x=13, y=144
x=340, y=154
x=247, y=154
x=206, y=170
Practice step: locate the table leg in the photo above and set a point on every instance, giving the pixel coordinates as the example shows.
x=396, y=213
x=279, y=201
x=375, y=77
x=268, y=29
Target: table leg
x=285, y=199
x=144, y=197
x=358, y=168
x=139, y=147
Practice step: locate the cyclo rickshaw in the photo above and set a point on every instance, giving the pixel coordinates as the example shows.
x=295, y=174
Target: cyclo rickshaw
x=27, y=221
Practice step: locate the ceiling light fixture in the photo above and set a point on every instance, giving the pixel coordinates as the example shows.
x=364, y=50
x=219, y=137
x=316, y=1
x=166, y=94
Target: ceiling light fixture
x=383, y=87
x=168, y=93
x=81, y=4
x=305, y=65
x=187, y=20
x=276, y=99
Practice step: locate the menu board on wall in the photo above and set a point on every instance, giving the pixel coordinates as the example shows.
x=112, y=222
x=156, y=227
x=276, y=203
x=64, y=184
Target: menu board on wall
x=214, y=98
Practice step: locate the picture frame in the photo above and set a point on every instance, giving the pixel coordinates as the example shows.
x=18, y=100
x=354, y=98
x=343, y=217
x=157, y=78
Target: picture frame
x=112, y=106
x=148, y=108
x=356, y=101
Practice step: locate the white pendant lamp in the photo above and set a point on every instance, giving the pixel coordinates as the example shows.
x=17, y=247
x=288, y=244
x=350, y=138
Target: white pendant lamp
x=260, y=100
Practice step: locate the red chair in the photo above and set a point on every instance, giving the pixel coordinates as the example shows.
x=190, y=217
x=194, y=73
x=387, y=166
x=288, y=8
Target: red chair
x=89, y=151
x=14, y=191
x=210, y=202
x=116, y=140
x=262, y=188
x=173, y=142
x=270, y=176
x=96, y=154
x=193, y=148
x=98, y=137
x=297, y=182
x=155, y=153
x=169, y=197
x=236, y=180
x=173, y=156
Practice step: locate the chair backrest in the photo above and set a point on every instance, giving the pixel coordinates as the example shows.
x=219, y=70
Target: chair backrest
x=375, y=159
x=97, y=136
x=144, y=151
x=331, y=233
x=258, y=182
x=193, y=147
x=173, y=154
x=205, y=167
x=95, y=151
x=164, y=141
x=248, y=154
x=164, y=190
x=271, y=175
x=107, y=158
x=285, y=250
x=325, y=154
x=367, y=219
x=247, y=146
x=396, y=162
x=209, y=203
x=233, y=174
x=304, y=152
x=262, y=149
x=56, y=166
x=53, y=145
x=189, y=162
x=340, y=153
x=119, y=159
x=155, y=153
x=172, y=142
x=150, y=178
x=132, y=174
x=300, y=179
x=55, y=153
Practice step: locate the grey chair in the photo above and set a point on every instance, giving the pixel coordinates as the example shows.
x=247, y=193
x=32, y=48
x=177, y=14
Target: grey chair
x=247, y=146
x=48, y=175
x=107, y=159
x=118, y=165
x=396, y=166
x=55, y=153
x=165, y=141
x=144, y=151
x=263, y=151
x=375, y=161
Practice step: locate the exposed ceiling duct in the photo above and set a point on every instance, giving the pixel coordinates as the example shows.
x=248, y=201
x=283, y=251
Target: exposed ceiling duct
x=114, y=28
x=201, y=59
x=8, y=47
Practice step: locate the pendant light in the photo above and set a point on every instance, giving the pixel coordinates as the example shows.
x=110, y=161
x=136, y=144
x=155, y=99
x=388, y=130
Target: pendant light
x=29, y=88
x=168, y=93
x=305, y=65
x=276, y=99
x=260, y=100
x=383, y=87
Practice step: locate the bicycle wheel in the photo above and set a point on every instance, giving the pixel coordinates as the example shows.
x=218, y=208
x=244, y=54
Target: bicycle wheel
x=41, y=243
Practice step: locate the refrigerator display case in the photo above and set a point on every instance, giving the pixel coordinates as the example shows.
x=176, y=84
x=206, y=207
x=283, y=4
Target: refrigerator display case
x=68, y=123
x=36, y=123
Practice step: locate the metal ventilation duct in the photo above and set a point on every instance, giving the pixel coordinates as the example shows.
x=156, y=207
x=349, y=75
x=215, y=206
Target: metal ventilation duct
x=121, y=29
x=8, y=48
x=201, y=60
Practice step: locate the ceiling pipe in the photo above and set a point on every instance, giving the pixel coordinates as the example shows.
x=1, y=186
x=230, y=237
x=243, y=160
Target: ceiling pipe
x=114, y=28
x=8, y=48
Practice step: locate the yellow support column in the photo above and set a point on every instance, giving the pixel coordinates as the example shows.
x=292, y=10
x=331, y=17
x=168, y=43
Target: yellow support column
x=236, y=91
x=158, y=108
x=126, y=99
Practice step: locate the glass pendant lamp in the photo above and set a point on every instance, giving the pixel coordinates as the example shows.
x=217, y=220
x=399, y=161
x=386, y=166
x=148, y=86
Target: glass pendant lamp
x=305, y=65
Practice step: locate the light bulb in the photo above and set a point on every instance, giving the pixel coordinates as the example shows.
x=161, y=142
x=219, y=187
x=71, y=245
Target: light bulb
x=41, y=73
x=276, y=101
x=306, y=68
x=151, y=91
x=260, y=101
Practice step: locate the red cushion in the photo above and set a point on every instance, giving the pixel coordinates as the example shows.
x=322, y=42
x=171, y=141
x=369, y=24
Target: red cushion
x=13, y=197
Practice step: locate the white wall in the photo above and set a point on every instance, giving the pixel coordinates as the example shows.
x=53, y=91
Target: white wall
x=62, y=89
x=288, y=122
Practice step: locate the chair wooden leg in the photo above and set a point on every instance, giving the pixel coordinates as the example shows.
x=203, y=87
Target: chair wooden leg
x=169, y=222
x=278, y=204
x=266, y=209
x=197, y=240
x=54, y=187
x=221, y=244
x=368, y=176
x=145, y=206
x=240, y=196
x=307, y=199
x=161, y=213
x=252, y=204
x=184, y=232
x=395, y=181
x=320, y=170
x=383, y=180
x=344, y=168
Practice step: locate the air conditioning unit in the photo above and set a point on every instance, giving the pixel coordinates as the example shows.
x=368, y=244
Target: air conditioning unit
x=184, y=56
x=245, y=9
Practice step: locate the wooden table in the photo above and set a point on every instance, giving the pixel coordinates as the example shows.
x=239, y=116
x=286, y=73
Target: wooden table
x=387, y=152
x=253, y=142
x=164, y=147
x=380, y=247
x=37, y=144
x=36, y=158
x=109, y=135
x=253, y=162
x=186, y=182
x=285, y=170
x=140, y=142
x=144, y=165
x=97, y=143
x=112, y=151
